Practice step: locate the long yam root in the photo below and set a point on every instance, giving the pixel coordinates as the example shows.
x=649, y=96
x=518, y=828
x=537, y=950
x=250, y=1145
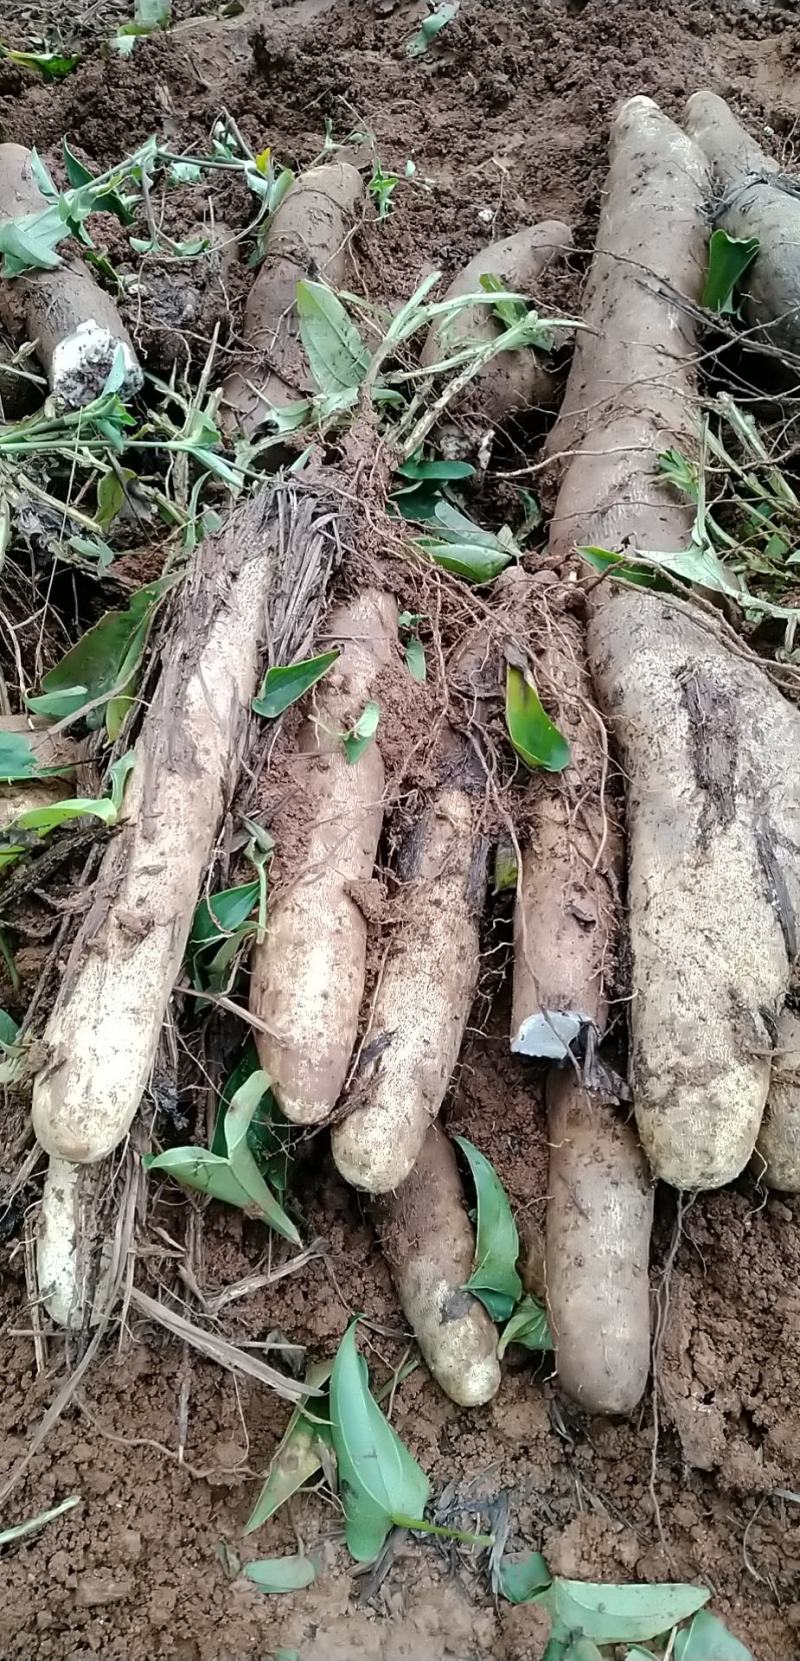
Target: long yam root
x=307, y=976
x=753, y=199
x=76, y=325
x=599, y=1218
x=429, y=1244
x=423, y=998
x=101, y=1037
x=308, y=237
x=516, y=381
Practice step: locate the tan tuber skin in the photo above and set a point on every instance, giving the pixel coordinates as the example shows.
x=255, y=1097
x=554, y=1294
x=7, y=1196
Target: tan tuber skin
x=429, y=1243
x=101, y=1037
x=516, y=381
x=307, y=977
x=308, y=238
x=76, y=324
x=749, y=200
x=423, y=998
x=599, y=1218
x=776, y=1160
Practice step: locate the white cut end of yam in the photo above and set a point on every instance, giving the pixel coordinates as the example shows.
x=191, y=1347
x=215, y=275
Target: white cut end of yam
x=62, y=1250
x=550, y=1034
x=83, y=360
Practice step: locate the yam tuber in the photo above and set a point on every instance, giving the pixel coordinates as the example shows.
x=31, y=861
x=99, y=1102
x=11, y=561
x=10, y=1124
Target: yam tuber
x=101, y=1037
x=514, y=381
x=599, y=1218
x=307, y=977
x=777, y=1157
x=308, y=237
x=429, y=1244
x=754, y=198
x=424, y=993
x=76, y=325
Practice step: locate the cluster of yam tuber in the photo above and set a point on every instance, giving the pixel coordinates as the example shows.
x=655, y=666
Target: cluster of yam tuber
x=689, y=870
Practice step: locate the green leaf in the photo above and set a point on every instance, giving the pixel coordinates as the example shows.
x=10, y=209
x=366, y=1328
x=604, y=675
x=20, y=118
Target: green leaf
x=109, y=201
x=508, y=312
x=52, y=66
x=105, y=658
x=8, y=1028
x=477, y=564
x=729, y=257
x=494, y=1271
x=337, y=356
x=523, y=1578
x=528, y=1326
x=602, y=559
x=355, y=742
x=431, y=27
x=583, y=1650
x=270, y=1136
x=30, y=241
x=435, y=469
x=505, y=869
x=284, y=685
x=297, y=1458
x=18, y=760
x=281, y=1574
x=221, y=914
x=619, y=1614
x=708, y=1639
x=417, y=501
x=415, y=659
x=536, y=740
x=379, y=1479
x=152, y=14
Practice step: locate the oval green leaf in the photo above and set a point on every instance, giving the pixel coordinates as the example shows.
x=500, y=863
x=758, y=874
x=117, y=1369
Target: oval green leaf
x=497, y=1241
x=476, y=564
x=528, y=1326
x=297, y=1457
x=535, y=738
x=362, y=734
x=620, y=1614
x=281, y=1574
x=337, y=356
x=708, y=1639
x=523, y=1578
x=379, y=1478
x=283, y=686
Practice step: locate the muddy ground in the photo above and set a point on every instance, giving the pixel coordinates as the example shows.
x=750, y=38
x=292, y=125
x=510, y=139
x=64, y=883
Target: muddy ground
x=506, y=122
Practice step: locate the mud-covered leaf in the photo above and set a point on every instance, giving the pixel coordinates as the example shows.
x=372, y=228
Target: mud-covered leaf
x=379, y=1479
x=18, y=761
x=282, y=686
x=708, y=1639
x=281, y=1574
x=297, y=1458
x=432, y=26
x=337, y=356
x=506, y=870
x=534, y=736
x=444, y=471
x=153, y=14
x=355, y=742
x=494, y=1277
x=528, y=1326
x=619, y=1614
x=476, y=564
x=729, y=257
x=105, y=660
x=523, y=1578
x=415, y=659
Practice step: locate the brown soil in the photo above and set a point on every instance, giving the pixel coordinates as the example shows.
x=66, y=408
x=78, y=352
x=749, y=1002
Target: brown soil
x=507, y=120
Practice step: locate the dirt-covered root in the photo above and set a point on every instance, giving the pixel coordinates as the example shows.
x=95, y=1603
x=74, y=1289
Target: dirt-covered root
x=709, y=750
x=423, y=997
x=101, y=1037
x=309, y=237
x=429, y=1243
x=753, y=197
x=67, y=1239
x=777, y=1157
x=599, y=1219
x=307, y=977
x=62, y=752
x=76, y=324
x=566, y=915
x=630, y=390
x=515, y=381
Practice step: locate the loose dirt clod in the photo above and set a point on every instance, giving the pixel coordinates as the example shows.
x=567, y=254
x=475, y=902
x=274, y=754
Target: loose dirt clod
x=75, y=323
x=429, y=1244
